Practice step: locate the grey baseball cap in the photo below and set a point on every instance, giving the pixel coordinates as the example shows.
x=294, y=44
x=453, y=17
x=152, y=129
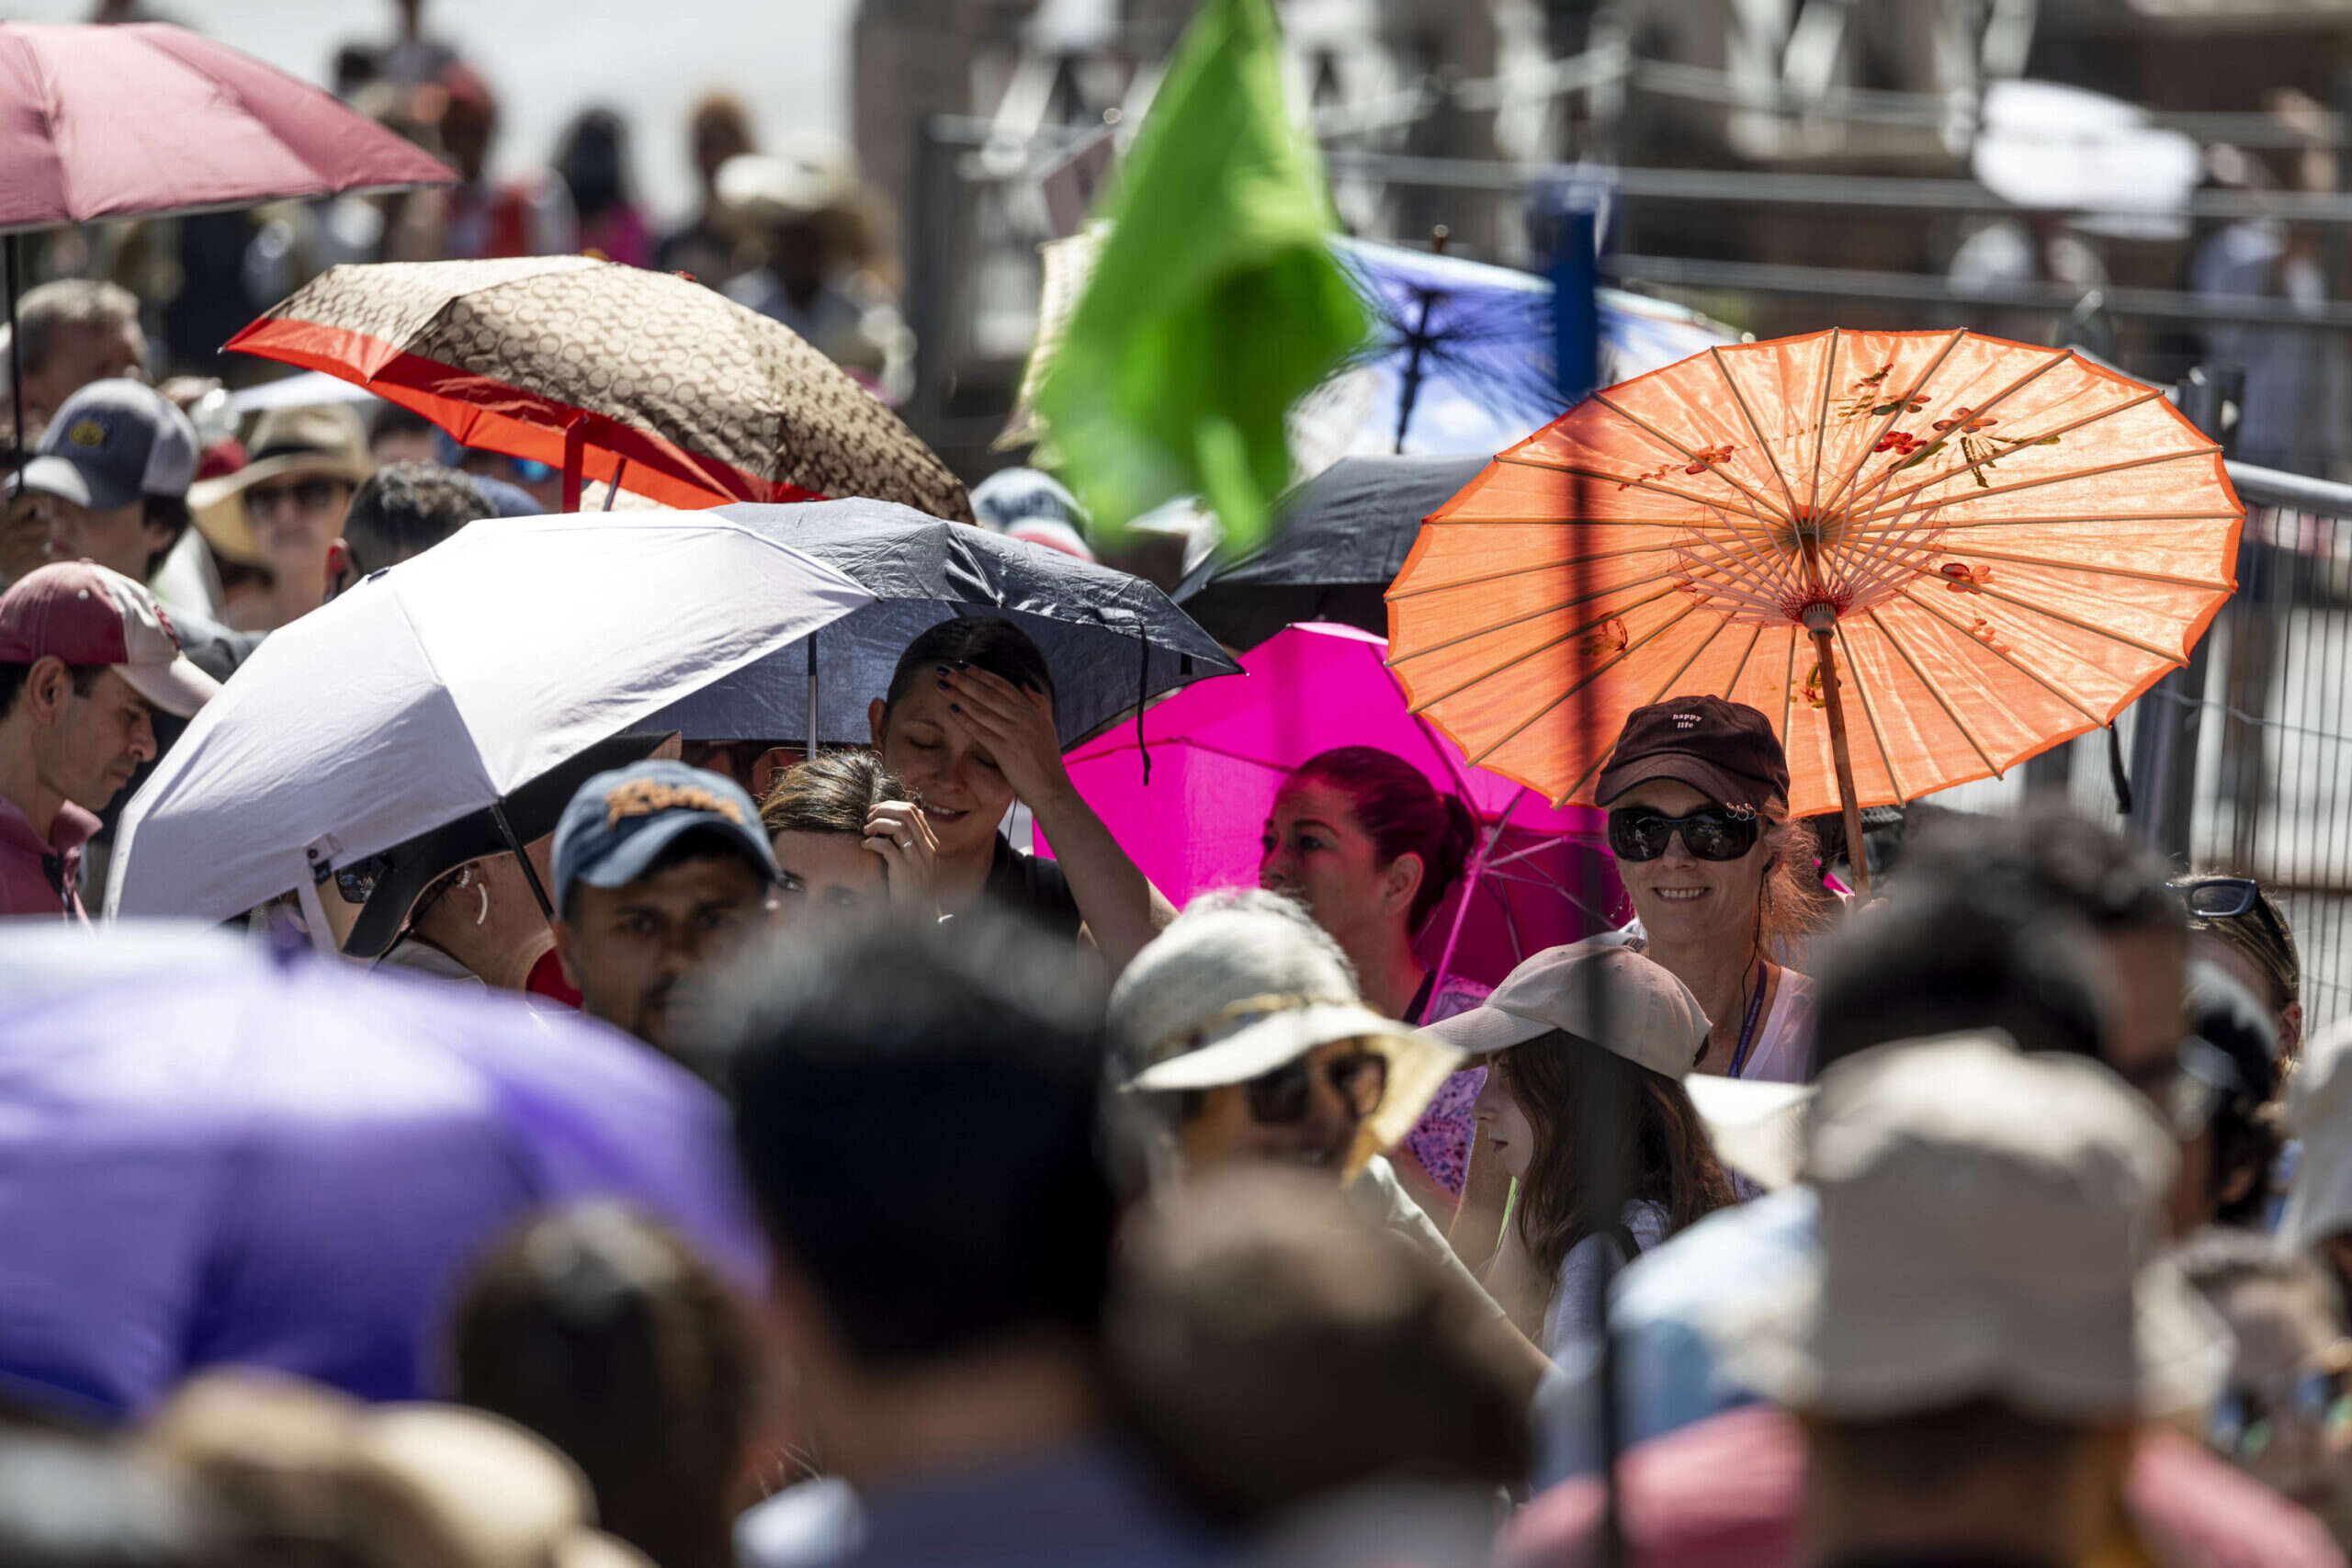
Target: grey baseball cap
x=111, y=442
x=1597, y=989
x=1988, y=1230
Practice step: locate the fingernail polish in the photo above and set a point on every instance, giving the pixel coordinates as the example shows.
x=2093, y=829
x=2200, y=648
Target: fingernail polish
x=954, y=707
x=963, y=664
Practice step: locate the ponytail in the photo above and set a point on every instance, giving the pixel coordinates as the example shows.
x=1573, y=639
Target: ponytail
x=1402, y=813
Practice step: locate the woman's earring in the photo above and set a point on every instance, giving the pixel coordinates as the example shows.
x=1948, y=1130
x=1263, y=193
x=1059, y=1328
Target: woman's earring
x=482, y=887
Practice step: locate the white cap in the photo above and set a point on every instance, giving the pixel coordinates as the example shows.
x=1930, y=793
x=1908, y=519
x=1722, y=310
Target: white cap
x=1599, y=990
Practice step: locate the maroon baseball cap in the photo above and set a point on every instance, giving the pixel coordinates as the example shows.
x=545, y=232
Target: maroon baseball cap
x=1726, y=751
x=86, y=614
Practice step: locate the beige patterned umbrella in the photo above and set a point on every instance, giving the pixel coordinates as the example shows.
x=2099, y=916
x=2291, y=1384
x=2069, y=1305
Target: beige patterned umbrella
x=609, y=371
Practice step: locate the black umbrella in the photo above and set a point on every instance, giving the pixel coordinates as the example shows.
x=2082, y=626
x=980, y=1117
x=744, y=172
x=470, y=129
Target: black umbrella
x=1339, y=540
x=388, y=882
x=1113, y=640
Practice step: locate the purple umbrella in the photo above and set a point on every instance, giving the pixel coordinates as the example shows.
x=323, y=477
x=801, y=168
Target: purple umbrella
x=210, y=1155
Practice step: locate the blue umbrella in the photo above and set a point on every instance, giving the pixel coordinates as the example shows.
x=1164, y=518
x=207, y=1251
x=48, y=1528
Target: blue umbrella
x=1461, y=354
x=212, y=1154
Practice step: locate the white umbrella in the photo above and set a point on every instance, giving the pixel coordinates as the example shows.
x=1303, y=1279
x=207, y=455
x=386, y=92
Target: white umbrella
x=435, y=688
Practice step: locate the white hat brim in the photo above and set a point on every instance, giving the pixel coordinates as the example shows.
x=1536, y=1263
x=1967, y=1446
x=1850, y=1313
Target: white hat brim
x=1757, y=1127
x=1484, y=1030
x=178, y=688
x=1417, y=1063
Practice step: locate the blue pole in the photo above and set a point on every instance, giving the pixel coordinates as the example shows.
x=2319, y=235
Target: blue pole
x=1575, y=312
x=1576, y=345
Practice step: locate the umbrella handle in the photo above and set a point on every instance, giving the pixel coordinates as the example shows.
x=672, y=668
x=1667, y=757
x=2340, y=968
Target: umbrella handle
x=575, y=458
x=1857, y=853
x=315, y=915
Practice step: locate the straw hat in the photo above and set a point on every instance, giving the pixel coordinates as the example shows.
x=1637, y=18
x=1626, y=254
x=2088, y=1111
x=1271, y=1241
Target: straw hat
x=1987, y=1224
x=321, y=439
x=1243, y=982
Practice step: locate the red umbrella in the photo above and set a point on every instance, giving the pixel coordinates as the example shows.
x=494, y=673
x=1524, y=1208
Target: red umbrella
x=598, y=368
x=149, y=119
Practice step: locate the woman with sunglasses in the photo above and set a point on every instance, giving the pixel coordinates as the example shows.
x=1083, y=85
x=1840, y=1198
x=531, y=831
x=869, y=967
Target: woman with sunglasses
x=2236, y=923
x=1697, y=792
x=1245, y=1040
x=1583, y=1044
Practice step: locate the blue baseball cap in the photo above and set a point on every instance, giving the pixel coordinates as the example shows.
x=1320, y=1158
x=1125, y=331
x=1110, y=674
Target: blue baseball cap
x=620, y=822
x=111, y=442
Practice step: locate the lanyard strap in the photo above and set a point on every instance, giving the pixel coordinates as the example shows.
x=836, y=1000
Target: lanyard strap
x=1747, y=1029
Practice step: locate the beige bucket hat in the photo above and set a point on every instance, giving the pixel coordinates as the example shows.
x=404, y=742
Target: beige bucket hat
x=1242, y=983
x=1987, y=1225
x=323, y=439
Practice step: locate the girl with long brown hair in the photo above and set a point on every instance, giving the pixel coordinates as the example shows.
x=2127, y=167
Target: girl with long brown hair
x=1587, y=1047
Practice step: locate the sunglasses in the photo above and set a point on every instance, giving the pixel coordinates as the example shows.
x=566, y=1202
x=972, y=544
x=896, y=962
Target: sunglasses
x=1282, y=1097
x=356, y=882
x=1638, y=833
x=2247, y=1417
x=2231, y=898
x=311, y=495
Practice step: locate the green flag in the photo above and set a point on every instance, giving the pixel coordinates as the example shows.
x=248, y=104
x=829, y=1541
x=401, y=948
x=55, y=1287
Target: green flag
x=1215, y=301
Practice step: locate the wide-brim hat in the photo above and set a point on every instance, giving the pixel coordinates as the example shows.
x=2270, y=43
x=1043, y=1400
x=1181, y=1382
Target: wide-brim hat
x=1257, y=1035
x=321, y=439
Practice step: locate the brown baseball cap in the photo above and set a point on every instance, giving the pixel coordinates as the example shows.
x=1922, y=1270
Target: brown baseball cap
x=1727, y=751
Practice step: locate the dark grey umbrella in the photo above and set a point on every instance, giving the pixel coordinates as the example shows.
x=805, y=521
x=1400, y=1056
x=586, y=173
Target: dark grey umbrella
x=1339, y=540
x=1113, y=640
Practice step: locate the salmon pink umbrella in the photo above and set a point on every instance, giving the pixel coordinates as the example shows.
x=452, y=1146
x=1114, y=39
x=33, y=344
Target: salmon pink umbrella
x=603, y=370
x=1956, y=551
x=148, y=120
x=1219, y=750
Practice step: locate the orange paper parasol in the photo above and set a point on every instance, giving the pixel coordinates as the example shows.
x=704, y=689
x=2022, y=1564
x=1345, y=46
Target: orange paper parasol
x=1959, y=551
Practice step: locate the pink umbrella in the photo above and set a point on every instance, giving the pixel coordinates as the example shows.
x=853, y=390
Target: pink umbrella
x=147, y=119
x=1221, y=749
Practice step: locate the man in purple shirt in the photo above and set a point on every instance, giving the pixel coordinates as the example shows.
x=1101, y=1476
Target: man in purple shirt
x=86, y=660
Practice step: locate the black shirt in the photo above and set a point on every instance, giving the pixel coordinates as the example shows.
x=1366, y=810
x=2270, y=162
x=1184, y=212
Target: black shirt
x=1033, y=888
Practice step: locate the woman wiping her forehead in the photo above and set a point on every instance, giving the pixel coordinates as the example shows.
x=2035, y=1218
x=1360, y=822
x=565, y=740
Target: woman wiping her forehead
x=1722, y=883
x=968, y=724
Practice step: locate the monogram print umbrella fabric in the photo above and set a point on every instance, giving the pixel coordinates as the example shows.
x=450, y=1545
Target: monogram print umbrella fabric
x=705, y=400
x=2012, y=545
